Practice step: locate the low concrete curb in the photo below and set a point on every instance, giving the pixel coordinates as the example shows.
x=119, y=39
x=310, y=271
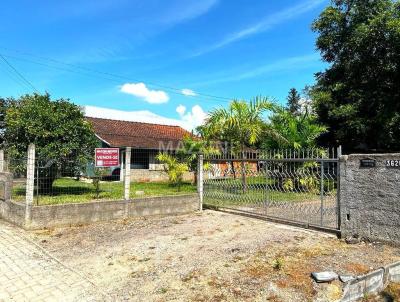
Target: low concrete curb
x=371, y=283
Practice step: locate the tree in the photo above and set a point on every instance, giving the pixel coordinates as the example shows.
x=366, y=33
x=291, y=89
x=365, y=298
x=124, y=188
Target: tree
x=297, y=131
x=4, y=105
x=190, y=150
x=241, y=125
x=358, y=95
x=173, y=168
x=293, y=101
x=62, y=136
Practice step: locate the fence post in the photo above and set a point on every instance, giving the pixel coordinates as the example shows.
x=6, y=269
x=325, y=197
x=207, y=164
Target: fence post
x=122, y=168
x=30, y=183
x=1, y=160
x=338, y=193
x=127, y=177
x=200, y=181
x=322, y=179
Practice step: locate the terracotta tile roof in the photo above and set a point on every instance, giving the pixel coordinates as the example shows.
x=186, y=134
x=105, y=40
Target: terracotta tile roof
x=137, y=135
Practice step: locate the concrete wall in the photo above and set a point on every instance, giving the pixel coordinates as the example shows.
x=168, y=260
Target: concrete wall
x=371, y=283
x=13, y=212
x=5, y=185
x=82, y=213
x=370, y=198
x=144, y=175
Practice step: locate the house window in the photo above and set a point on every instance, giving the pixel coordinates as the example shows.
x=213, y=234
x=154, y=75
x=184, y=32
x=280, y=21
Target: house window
x=140, y=159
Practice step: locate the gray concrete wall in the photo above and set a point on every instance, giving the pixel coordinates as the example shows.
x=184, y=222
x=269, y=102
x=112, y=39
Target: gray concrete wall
x=5, y=185
x=370, y=198
x=144, y=175
x=10, y=211
x=82, y=213
x=371, y=283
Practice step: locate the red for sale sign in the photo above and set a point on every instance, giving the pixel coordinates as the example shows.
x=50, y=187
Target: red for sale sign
x=107, y=157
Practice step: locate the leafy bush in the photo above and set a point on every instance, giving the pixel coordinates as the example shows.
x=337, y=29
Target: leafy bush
x=98, y=174
x=173, y=168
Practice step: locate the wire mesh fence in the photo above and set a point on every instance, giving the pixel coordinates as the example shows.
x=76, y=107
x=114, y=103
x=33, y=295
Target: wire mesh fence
x=70, y=180
x=294, y=185
x=65, y=180
x=75, y=178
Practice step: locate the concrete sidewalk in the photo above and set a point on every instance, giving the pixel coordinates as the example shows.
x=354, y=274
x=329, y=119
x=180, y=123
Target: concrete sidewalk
x=28, y=273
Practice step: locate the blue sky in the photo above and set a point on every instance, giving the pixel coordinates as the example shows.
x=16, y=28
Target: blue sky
x=149, y=51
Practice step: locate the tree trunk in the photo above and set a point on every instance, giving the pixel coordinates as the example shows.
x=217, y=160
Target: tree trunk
x=233, y=169
x=195, y=174
x=45, y=186
x=244, y=176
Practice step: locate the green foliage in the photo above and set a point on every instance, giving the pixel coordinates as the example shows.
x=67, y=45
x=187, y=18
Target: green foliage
x=241, y=124
x=173, y=168
x=296, y=131
x=191, y=148
x=99, y=173
x=4, y=105
x=288, y=184
x=293, y=101
x=358, y=95
x=58, y=129
x=278, y=263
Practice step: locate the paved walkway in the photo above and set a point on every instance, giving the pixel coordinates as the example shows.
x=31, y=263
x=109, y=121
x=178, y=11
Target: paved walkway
x=28, y=273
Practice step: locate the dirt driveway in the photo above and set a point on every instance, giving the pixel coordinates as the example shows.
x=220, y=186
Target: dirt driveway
x=209, y=257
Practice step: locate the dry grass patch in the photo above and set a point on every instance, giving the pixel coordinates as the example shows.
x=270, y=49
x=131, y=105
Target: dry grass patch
x=357, y=268
x=192, y=275
x=393, y=290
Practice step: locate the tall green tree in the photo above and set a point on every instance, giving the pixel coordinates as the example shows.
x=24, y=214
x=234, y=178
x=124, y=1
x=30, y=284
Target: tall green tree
x=5, y=103
x=241, y=125
x=358, y=95
x=293, y=101
x=296, y=131
x=62, y=136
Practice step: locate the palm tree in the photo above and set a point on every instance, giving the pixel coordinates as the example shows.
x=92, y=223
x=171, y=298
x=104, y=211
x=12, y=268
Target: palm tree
x=298, y=130
x=241, y=125
x=191, y=148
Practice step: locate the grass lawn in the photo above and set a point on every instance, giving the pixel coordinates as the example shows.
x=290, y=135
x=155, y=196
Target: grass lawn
x=217, y=193
x=68, y=190
x=229, y=192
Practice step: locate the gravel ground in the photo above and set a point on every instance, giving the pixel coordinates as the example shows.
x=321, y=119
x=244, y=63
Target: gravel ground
x=211, y=256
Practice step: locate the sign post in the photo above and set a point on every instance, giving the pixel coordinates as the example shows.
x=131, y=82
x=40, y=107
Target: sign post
x=106, y=157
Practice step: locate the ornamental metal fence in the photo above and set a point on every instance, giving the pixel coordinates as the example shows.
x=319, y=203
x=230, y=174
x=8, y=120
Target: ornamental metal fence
x=299, y=186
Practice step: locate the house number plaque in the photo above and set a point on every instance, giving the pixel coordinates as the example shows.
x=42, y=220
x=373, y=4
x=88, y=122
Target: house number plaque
x=393, y=163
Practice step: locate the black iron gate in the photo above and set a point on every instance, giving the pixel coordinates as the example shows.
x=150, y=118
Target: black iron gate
x=295, y=186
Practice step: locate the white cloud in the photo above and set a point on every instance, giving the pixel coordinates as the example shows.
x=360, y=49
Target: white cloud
x=188, y=92
x=140, y=90
x=266, y=24
x=188, y=121
x=180, y=11
x=181, y=110
x=193, y=118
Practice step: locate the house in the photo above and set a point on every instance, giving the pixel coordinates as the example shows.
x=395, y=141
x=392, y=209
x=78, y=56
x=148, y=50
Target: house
x=146, y=141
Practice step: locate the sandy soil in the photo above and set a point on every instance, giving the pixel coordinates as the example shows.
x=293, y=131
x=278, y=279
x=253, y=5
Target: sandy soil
x=211, y=256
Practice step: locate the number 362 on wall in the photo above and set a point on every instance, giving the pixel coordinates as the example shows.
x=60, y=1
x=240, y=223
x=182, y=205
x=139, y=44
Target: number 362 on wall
x=393, y=163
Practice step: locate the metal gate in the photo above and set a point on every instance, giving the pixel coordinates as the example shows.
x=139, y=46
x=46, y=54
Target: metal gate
x=293, y=186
